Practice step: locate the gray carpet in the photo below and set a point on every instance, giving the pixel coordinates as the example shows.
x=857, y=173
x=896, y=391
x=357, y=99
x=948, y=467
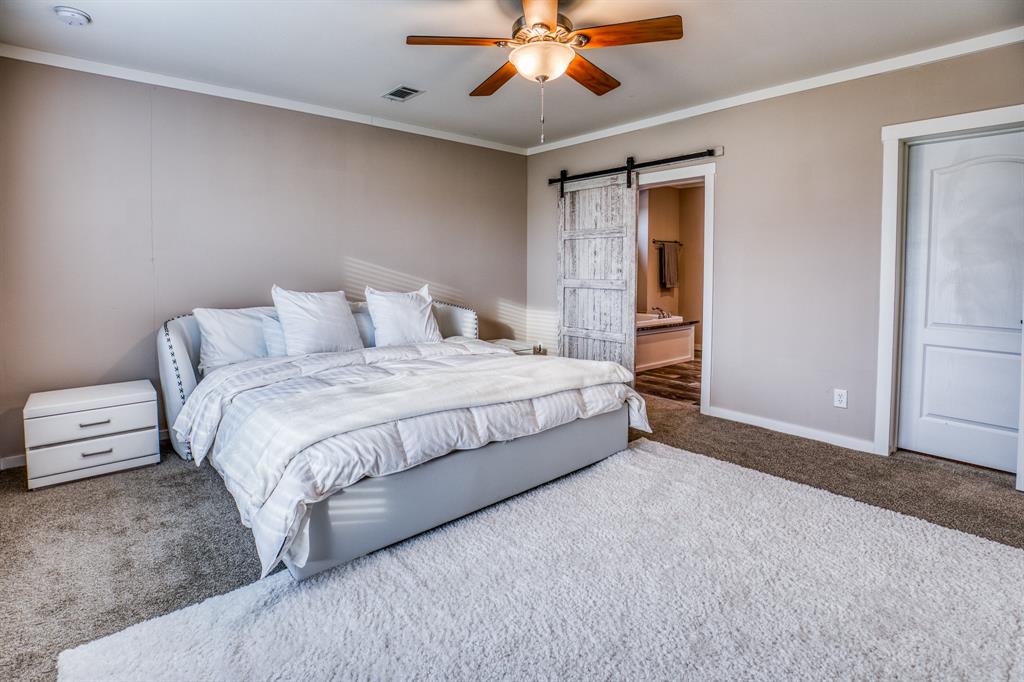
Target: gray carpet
x=968, y=498
x=655, y=564
x=90, y=558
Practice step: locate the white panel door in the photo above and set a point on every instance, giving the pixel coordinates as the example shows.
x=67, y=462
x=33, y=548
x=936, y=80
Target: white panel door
x=960, y=377
x=1020, y=424
x=597, y=270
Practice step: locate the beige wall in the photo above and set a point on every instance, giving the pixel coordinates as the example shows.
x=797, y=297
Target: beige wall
x=122, y=204
x=797, y=215
x=691, y=267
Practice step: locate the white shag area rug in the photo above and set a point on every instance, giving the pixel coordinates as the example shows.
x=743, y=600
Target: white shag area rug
x=654, y=564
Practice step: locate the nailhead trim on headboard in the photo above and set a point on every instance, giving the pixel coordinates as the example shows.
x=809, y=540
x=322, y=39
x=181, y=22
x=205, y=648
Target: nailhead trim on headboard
x=455, y=305
x=462, y=307
x=174, y=358
x=177, y=372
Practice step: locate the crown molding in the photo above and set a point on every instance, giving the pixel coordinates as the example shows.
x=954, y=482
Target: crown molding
x=934, y=54
x=150, y=78
x=948, y=51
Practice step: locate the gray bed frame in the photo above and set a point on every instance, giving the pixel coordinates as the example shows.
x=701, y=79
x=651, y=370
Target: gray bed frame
x=345, y=526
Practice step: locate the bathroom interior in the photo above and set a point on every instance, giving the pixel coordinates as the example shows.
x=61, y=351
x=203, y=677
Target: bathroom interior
x=669, y=291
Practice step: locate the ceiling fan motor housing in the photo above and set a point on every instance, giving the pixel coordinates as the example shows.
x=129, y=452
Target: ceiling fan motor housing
x=524, y=33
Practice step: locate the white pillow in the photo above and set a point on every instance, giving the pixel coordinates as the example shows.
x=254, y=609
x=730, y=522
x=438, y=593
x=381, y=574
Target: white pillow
x=273, y=336
x=316, y=322
x=399, y=319
x=230, y=336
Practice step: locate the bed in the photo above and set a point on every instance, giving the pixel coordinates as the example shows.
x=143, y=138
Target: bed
x=332, y=456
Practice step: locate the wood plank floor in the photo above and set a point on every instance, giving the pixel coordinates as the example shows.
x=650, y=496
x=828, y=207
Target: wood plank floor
x=679, y=382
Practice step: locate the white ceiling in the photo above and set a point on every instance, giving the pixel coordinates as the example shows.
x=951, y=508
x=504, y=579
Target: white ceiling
x=345, y=54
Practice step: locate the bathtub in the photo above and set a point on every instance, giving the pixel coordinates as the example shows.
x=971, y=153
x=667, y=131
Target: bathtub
x=661, y=342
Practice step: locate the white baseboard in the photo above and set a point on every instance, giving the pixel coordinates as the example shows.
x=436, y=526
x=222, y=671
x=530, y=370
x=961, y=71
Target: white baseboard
x=12, y=462
x=860, y=444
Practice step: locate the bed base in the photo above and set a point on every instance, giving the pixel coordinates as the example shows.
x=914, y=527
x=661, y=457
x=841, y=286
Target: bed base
x=377, y=512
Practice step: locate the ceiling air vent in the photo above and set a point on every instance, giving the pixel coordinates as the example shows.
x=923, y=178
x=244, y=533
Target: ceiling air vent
x=402, y=93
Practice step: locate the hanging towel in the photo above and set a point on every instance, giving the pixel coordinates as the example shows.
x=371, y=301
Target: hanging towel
x=668, y=265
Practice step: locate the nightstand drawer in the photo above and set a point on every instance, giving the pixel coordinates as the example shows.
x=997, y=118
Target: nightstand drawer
x=61, y=428
x=91, y=453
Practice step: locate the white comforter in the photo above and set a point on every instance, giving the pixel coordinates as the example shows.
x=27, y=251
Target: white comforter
x=287, y=432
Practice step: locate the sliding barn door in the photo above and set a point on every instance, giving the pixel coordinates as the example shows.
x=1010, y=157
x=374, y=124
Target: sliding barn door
x=597, y=270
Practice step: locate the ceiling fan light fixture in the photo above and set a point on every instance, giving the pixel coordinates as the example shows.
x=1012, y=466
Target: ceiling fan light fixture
x=543, y=60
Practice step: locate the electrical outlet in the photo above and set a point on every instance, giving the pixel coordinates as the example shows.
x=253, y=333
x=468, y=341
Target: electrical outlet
x=839, y=397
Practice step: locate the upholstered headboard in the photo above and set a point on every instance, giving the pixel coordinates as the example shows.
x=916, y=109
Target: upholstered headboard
x=178, y=342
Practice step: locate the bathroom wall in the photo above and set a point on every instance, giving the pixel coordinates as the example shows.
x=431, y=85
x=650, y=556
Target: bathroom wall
x=672, y=213
x=642, y=252
x=662, y=223
x=691, y=256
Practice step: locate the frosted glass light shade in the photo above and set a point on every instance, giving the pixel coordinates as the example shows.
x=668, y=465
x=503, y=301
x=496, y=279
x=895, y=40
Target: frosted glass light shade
x=542, y=61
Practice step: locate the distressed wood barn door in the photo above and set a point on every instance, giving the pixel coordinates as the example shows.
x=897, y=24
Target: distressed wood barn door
x=597, y=270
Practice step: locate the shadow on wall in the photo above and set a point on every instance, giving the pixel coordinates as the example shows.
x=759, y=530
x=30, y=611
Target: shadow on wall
x=511, y=320
x=143, y=348
x=543, y=326
x=12, y=427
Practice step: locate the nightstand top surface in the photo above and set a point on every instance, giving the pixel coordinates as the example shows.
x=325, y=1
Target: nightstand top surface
x=88, y=398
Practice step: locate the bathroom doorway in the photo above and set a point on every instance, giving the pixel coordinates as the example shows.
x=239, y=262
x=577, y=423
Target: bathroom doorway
x=670, y=290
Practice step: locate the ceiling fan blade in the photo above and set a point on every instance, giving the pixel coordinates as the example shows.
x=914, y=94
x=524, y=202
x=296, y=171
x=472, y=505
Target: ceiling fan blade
x=541, y=12
x=590, y=77
x=631, y=32
x=495, y=81
x=453, y=40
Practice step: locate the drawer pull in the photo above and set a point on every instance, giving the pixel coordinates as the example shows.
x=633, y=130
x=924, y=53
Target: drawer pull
x=83, y=426
x=98, y=452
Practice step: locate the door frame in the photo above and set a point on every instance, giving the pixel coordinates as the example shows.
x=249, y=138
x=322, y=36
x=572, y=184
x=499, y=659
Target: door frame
x=672, y=176
x=895, y=141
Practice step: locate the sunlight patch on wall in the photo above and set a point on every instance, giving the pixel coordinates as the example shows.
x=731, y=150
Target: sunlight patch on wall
x=514, y=315
x=358, y=274
x=542, y=326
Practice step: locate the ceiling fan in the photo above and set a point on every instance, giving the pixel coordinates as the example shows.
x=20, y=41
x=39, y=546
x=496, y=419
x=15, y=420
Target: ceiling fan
x=544, y=45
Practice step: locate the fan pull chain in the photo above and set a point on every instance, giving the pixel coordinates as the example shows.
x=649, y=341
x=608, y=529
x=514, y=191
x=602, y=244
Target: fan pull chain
x=542, y=112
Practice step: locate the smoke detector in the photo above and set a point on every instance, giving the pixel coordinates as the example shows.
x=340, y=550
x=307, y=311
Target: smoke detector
x=72, y=16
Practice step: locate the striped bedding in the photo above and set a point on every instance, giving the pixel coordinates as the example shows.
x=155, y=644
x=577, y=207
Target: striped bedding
x=287, y=432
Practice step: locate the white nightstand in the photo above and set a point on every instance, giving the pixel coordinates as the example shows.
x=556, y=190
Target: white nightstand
x=82, y=432
x=518, y=347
